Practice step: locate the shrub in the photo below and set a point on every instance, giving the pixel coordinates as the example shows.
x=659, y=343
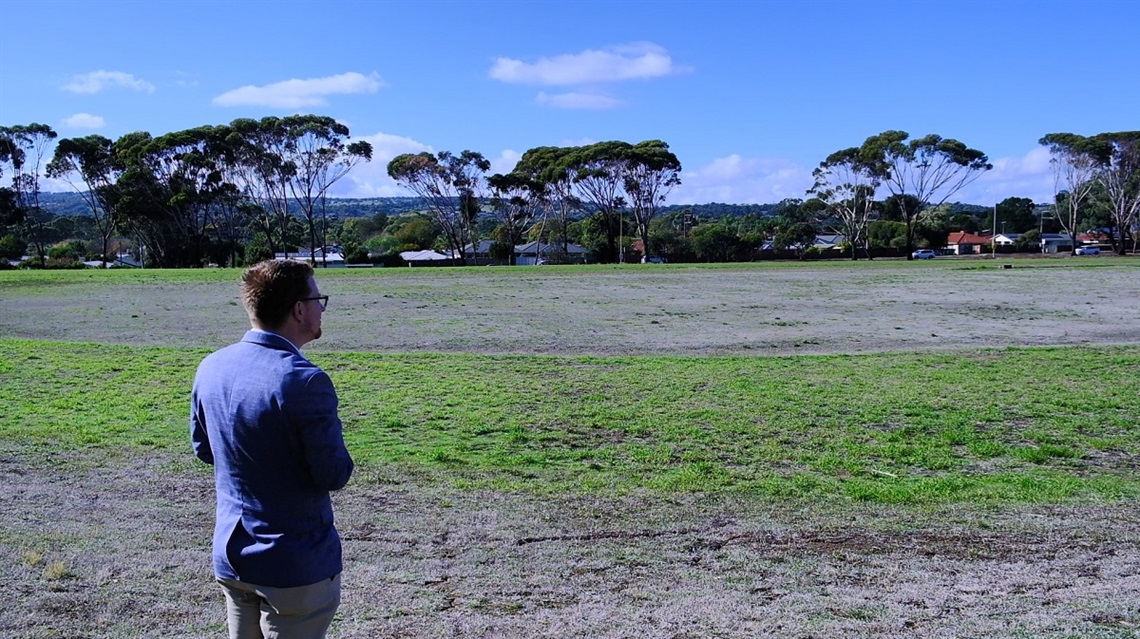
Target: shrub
x=12, y=248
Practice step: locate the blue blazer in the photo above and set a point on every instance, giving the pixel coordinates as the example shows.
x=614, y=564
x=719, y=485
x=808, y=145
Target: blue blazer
x=266, y=418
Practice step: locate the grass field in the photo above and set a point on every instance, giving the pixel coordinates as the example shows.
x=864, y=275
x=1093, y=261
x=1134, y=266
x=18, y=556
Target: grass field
x=1037, y=425
x=842, y=416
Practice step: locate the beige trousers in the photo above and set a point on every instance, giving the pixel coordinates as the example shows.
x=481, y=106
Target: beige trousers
x=261, y=612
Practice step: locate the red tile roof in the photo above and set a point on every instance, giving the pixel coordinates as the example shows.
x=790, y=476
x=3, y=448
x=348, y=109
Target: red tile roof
x=962, y=237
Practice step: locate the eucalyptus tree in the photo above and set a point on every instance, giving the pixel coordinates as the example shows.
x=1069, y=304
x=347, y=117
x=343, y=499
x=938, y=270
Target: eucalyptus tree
x=317, y=155
x=169, y=190
x=1119, y=173
x=1076, y=160
x=452, y=186
x=547, y=169
x=930, y=170
x=256, y=151
x=88, y=165
x=846, y=183
x=515, y=201
x=650, y=172
x=23, y=151
x=1016, y=213
x=597, y=172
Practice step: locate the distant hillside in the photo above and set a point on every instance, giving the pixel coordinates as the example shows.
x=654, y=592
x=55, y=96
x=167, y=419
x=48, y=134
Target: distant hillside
x=71, y=203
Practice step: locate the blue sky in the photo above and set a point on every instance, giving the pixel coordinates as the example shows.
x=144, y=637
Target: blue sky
x=750, y=95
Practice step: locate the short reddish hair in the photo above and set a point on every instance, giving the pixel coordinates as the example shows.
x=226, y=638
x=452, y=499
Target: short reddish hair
x=270, y=288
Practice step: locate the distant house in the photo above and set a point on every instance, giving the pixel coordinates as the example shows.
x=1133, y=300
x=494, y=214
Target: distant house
x=538, y=252
x=1056, y=243
x=825, y=242
x=821, y=242
x=325, y=256
x=1006, y=239
x=422, y=256
x=964, y=243
x=1097, y=237
x=482, y=248
x=126, y=259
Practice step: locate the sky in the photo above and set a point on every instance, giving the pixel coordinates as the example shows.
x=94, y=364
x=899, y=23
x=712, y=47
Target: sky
x=750, y=95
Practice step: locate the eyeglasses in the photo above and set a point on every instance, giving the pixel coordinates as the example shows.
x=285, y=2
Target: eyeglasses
x=323, y=299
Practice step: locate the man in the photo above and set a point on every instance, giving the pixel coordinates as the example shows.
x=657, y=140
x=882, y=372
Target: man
x=266, y=419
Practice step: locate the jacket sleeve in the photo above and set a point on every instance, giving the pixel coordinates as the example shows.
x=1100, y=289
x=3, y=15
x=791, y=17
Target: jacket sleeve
x=322, y=440
x=199, y=438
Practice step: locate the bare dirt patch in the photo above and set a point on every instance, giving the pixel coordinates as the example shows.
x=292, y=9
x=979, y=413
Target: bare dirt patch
x=946, y=304
x=132, y=537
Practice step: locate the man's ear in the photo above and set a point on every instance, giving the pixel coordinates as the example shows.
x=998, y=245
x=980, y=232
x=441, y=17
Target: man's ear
x=298, y=311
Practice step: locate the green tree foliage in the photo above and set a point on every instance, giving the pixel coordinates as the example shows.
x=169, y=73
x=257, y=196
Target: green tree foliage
x=23, y=152
x=930, y=169
x=317, y=155
x=413, y=233
x=1119, y=175
x=718, y=242
x=515, y=201
x=69, y=250
x=1075, y=160
x=596, y=171
x=88, y=165
x=170, y=192
x=887, y=234
x=650, y=173
x=451, y=185
x=547, y=170
x=12, y=247
x=845, y=183
x=1016, y=215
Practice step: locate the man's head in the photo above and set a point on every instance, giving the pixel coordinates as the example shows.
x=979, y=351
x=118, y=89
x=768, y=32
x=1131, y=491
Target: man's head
x=279, y=296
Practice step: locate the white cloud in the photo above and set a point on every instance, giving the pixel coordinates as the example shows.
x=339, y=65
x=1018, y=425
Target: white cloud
x=577, y=142
x=577, y=101
x=297, y=94
x=740, y=180
x=615, y=64
x=84, y=121
x=370, y=179
x=752, y=180
x=506, y=162
x=733, y=179
x=1029, y=176
x=96, y=81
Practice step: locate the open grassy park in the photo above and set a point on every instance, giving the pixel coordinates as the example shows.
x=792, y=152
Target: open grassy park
x=873, y=449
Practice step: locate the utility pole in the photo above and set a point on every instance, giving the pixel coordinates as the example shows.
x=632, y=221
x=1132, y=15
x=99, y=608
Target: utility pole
x=993, y=235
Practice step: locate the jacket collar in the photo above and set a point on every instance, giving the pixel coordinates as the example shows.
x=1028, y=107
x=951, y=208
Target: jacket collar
x=270, y=340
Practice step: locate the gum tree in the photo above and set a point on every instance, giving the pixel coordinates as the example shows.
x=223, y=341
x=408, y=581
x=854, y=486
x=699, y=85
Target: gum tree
x=1119, y=157
x=846, y=184
x=87, y=164
x=515, y=200
x=452, y=186
x=1076, y=160
x=23, y=151
x=651, y=171
x=169, y=191
x=929, y=170
x=256, y=165
x=597, y=172
x=317, y=155
x=547, y=168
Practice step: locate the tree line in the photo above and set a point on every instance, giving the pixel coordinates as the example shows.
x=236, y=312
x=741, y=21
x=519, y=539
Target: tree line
x=207, y=194
x=233, y=194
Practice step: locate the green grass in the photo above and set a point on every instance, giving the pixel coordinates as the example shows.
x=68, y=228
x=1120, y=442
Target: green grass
x=1000, y=426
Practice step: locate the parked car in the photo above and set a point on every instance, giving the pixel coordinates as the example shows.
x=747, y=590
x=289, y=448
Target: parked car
x=1088, y=250
x=923, y=254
